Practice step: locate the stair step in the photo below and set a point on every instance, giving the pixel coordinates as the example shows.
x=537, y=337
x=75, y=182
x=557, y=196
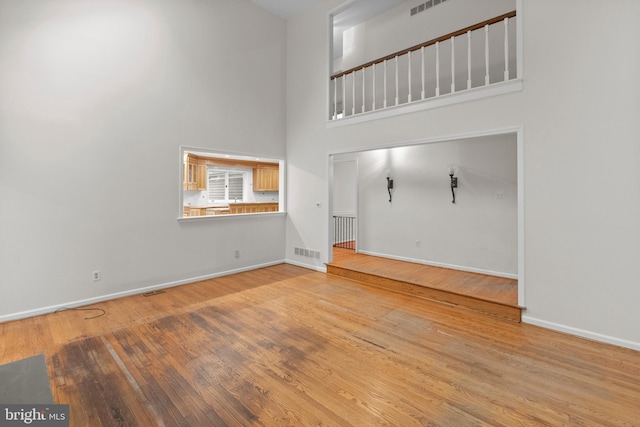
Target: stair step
x=499, y=310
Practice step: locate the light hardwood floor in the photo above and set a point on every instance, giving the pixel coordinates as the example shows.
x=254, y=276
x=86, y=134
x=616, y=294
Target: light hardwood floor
x=288, y=346
x=490, y=288
x=491, y=295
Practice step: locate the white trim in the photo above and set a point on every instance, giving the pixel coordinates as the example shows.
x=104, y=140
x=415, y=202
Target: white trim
x=321, y=269
x=345, y=213
x=519, y=131
x=282, y=165
x=230, y=216
x=581, y=332
x=521, y=218
x=329, y=211
x=432, y=140
x=137, y=291
x=519, y=39
x=444, y=265
x=467, y=95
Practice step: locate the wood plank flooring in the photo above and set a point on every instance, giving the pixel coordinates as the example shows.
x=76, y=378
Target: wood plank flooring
x=284, y=345
x=491, y=295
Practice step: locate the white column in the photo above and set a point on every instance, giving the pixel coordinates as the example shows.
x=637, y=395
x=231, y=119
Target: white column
x=363, y=90
x=487, y=80
x=422, y=68
x=437, y=68
x=353, y=93
x=373, y=103
x=453, y=65
x=397, y=94
x=409, y=76
x=506, y=49
x=468, y=59
x=344, y=95
x=335, y=99
x=384, y=87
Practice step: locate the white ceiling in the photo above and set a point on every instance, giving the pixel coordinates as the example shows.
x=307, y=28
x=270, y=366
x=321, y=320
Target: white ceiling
x=284, y=8
x=359, y=10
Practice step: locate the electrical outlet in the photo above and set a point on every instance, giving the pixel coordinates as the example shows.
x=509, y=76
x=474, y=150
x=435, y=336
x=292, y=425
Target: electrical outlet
x=499, y=195
x=237, y=254
x=96, y=275
x=417, y=243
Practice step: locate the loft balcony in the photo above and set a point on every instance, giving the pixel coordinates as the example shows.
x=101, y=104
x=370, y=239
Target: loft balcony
x=473, y=62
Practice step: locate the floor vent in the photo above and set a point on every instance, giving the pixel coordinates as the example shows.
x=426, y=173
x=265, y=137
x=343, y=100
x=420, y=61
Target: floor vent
x=307, y=253
x=425, y=6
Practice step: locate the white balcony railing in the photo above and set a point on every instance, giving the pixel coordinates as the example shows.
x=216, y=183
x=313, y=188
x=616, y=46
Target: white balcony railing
x=481, y=55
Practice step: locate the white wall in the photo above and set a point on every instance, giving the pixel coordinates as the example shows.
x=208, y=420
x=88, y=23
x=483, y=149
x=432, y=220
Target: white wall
x=96, y=98
x=379, y=36
x=477, y=233
x=579, y=114
x=345, y=186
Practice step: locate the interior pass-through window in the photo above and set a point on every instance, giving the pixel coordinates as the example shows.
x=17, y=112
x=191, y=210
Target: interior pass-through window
x=215, y=183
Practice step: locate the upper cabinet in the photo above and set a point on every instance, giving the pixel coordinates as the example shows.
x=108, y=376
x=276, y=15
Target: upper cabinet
x=195, y=174
x=266, y=178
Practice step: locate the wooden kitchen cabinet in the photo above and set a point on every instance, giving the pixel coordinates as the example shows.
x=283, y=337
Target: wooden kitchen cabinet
x=266, y=178
x=195, y=174
x=245, y=208
x=201, y=177
x=197, y=211
x=190, y=173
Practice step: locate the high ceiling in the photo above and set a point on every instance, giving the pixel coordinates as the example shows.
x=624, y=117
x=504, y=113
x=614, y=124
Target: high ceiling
x=284, y=8
x=288, y=8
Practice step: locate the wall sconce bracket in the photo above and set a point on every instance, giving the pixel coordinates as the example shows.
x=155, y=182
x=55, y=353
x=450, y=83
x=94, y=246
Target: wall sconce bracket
x=454, y=185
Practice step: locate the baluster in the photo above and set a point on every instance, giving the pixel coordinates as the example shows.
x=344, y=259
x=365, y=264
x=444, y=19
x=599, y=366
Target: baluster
x=453, y=65
x=437, y=68
x=353, y=93
x=409, y=76
x=506, y=49
x=384, y=102
x=373, y=104
x=363, y=90
x=344, y=95
x=397, y=93
x=335, y=99
x=422, y=70
x=487, y=80
x=468, y=59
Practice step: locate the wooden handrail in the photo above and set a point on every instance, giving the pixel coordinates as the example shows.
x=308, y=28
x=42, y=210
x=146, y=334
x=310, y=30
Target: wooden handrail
x=428, y=43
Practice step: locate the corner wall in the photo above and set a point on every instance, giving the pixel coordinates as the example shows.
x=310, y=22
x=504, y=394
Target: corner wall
x=478, y=233
x=581, y=133
x=96, y=98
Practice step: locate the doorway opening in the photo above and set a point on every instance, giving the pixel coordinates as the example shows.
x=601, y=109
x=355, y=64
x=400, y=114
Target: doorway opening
x=344, y=202
x=480, y=231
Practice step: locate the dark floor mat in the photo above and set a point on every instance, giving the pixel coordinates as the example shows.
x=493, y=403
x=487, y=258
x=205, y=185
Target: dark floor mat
x=25, y=381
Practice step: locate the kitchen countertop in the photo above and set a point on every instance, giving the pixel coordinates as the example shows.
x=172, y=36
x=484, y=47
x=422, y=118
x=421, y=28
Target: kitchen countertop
x=226, y=206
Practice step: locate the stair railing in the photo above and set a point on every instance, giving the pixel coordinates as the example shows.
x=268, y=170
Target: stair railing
x=363, y=89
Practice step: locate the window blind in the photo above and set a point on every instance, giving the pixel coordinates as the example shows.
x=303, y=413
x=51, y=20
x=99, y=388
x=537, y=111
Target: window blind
x=225, y=185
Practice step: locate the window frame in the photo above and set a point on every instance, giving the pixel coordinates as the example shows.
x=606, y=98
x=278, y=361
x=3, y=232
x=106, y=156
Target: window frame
x=227, y=182
x=275, y=196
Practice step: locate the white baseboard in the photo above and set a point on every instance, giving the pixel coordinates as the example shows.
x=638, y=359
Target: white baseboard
x=581, y=333
x=321, y=269
x=89, y=301
x=444, y=265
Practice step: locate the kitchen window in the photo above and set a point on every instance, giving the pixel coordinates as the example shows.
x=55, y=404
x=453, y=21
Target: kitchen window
x=215, y=184
x=225, y=185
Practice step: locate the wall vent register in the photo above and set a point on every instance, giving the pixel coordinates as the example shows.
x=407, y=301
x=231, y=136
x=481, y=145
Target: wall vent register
x=308, y=253
x=425, y=6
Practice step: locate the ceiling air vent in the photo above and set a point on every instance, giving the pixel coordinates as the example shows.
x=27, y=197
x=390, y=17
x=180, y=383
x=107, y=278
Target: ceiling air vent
x=425, y=6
